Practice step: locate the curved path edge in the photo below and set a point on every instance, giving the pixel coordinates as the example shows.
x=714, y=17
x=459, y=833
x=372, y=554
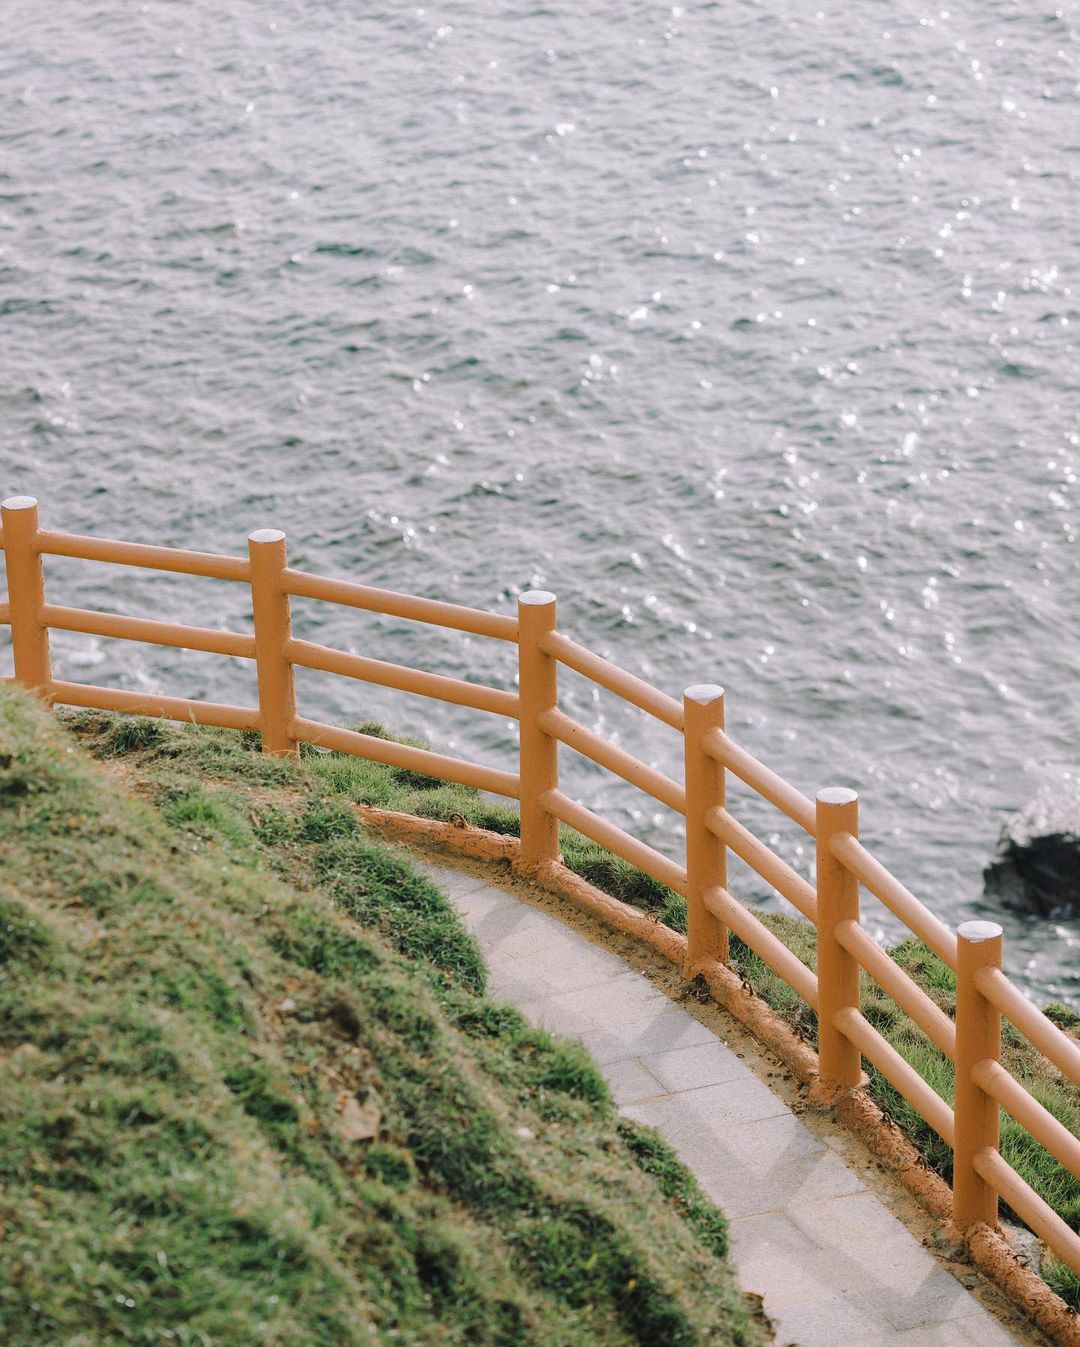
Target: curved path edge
x=834, y=1264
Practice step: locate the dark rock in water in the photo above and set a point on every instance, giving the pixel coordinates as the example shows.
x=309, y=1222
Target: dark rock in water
x=1038, y=862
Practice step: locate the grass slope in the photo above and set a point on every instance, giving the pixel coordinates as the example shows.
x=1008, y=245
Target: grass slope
x=252, y=1092
x=339, y=777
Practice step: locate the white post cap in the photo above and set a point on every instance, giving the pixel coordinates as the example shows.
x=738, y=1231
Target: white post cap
x=704, y=693
x=20, y=502
x=975, y=932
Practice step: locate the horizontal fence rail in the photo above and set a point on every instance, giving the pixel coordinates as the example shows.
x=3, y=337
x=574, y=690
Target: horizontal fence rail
x=614, y=679
x=897, y=1071
x=386, y=601
x=617, y=760
x=172, y=559
x=844, y=867
x=308, y=655
x=753, y=932
x=1001, y=1178
x=592, y=826
x=786, y=881
x=405, y=755
x=146, y=704
x=903, y=904
x=148, y=631
x=1031, y=1022
x=910, y=997
x=761, y=779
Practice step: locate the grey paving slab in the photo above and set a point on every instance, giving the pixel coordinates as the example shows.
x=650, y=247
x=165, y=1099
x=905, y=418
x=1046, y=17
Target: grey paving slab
x=500, y=921
x=630, y=1082
x=480, y=903
x=713, y=1116
x=454, y=883
x=768, y=1165
x=666, y=1029
x=979, y=1330
x=626, y=1000
x=521, y=985
x=690, y=1068
x=825, y=1319
x=835, y=1267
x=873, y=1251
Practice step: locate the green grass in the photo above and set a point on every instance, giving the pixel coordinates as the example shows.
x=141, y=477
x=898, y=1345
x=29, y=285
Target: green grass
x=427, y=797
x=252, y=1090
x=336, y=778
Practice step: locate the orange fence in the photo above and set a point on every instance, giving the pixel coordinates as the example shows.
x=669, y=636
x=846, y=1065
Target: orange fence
x=844, y=867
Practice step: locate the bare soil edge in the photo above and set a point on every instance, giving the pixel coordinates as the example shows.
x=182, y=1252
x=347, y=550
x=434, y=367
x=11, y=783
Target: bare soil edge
x=987, y=1248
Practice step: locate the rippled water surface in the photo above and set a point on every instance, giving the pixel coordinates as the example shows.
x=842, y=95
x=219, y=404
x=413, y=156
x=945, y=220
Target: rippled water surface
x=749, y=330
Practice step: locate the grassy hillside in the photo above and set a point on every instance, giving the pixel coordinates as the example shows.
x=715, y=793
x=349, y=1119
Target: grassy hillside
x=351, y=779
x=252, y=1092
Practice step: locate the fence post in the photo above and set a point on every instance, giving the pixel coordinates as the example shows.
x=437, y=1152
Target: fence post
x=706, y=855
x=978, y=1036
x=26, y=594
x=539, y=753
x=273, y=629
x=840, y=1064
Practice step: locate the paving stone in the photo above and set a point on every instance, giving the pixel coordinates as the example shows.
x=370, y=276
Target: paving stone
x=877, y=1231
x=454, y=883
x=690, y=1068
x=624, y=1000
x=518, y=985
x=500, y=922
x=559, y=1014
x=938, y=1297
x=474, y=907
x=749, y=1153
x=630, y=1081
x=766, y=1165
x=863, y=1237
x=566, y=969
x=707, y=1118
x=774, y=1239
x=581, y=1009
x=825, y=1320
x=666, y=1028
x=541, y=944
x=541, y=1016
x=567, y=966
x=980, y=1330
x=769, y=1252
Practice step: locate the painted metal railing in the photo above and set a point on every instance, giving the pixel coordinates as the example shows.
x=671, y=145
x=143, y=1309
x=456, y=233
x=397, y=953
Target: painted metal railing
x=844, y=867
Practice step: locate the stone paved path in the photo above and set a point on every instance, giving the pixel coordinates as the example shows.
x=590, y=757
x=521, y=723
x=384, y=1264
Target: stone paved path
x=835, y=1266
